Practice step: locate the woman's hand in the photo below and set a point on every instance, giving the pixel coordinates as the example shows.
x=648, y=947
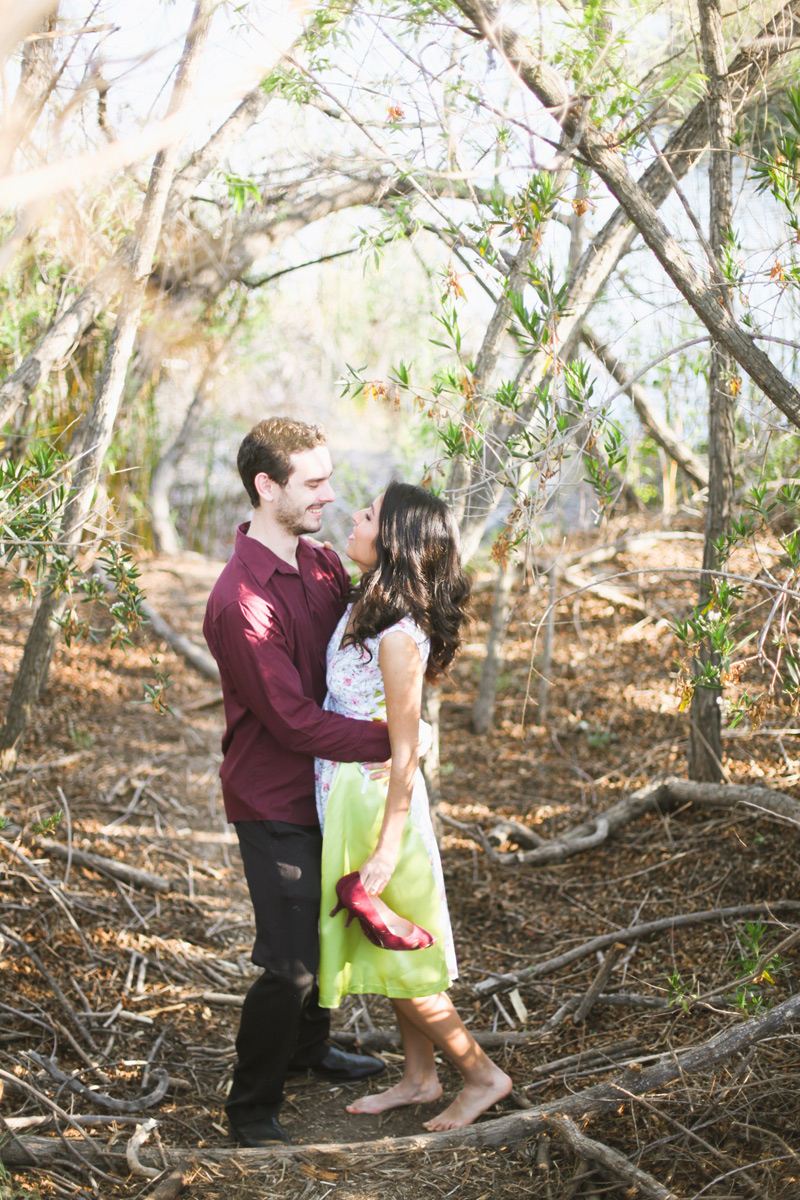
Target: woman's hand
x=378, y=870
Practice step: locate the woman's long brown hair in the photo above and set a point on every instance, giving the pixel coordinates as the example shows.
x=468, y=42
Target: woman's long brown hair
x=418, y=574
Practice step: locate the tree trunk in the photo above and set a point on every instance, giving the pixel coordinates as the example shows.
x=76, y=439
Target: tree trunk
x=165, y=534
x=94, y=438
x=483, y=709
x=465, y=499
x=546, y=662
x=431, y=707
x=705, y=716
x=64, y=334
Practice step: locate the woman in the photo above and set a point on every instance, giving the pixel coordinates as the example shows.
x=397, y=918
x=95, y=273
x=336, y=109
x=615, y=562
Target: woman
x=402, y=626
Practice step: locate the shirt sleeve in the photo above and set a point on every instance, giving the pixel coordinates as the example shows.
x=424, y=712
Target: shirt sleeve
x=262, y=675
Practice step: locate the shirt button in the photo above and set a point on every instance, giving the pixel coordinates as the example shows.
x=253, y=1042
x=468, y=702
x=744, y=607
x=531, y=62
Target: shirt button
x=313, y=614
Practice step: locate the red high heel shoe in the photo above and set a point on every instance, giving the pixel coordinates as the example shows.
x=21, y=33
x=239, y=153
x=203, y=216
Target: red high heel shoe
x=353, y=897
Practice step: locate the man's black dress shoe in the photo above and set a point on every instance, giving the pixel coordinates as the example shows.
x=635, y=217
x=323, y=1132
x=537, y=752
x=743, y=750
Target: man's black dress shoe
x=344, y=1068
x=265, y=1132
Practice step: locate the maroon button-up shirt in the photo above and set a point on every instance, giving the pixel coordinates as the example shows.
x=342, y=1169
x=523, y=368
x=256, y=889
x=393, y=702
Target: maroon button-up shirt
x=268, y=626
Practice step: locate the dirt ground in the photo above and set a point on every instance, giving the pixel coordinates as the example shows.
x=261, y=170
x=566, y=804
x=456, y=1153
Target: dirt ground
x=154, y=977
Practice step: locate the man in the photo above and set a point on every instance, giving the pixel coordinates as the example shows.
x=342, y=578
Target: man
x=268, y=622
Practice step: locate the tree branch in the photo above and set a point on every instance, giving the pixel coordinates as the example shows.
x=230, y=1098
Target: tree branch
x=651, y=421
x=635, y=201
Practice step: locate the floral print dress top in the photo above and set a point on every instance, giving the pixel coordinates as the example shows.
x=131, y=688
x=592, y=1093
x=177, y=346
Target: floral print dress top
x=350, y=807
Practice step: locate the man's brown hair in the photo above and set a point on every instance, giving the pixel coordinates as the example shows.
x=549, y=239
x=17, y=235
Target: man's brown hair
x=268, y=447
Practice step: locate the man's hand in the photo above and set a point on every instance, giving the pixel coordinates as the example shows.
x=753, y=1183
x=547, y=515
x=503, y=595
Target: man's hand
x=379, y=771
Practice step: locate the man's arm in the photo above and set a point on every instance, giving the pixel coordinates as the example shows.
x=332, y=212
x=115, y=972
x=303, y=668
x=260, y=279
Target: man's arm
x=261, y=673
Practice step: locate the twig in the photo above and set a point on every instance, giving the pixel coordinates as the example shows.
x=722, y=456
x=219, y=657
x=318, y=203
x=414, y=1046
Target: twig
x=171, y=1186
x=614, y=1163
x=28, y=1144
x=517, y=1126
x=547, y=652
x=132, y=1151
x=108, y=1102
x=107, y=866
x=632, y=934
x=615, y=1050
x=69, y=834
x=580, y=1176
x=590, y=999
x=19, y=1124
x=61, y=899
x=57, y=992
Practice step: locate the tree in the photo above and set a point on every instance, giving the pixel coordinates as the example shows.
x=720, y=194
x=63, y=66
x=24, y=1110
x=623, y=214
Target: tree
x=705, y=718
x=94, y=437
x=510, y=430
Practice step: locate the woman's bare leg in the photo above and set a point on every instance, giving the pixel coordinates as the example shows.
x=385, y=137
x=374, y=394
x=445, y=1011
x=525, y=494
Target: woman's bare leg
x=484, y=1083
x=420, y=1082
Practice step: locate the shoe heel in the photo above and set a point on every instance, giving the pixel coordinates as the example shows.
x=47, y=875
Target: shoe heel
x=338, y=909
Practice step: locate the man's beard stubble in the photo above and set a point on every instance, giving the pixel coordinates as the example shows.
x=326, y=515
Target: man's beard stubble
x=293, y=519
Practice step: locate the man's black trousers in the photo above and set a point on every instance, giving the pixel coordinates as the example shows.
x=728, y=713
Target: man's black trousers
x=281, y=1021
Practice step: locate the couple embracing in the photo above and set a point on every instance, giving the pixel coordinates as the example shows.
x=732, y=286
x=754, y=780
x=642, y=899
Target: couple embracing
x=322, y=683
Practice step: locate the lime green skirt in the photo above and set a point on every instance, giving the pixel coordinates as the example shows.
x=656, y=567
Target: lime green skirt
x=349, y=962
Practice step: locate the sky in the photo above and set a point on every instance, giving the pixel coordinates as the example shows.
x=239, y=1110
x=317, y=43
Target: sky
x=141, y=41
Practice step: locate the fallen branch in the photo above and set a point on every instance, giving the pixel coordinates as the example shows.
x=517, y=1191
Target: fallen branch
x=612, y=1162
x=196, y=656
x=526, y=839
x=596, y=1056
x=43, y=1120
x=170, y=1186
x=661, y=796
x=25, y=1145
x=99, y=1098
x=629, y=543
x=632, y=934
x=389, y=1039
x=601, y=978
x=553, y=851
x=135, y=1142
x=107, y=866
x=764, y=800
x=502, y=1131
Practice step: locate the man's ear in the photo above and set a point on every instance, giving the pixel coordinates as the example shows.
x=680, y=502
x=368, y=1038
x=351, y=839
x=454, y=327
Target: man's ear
x=265, y=486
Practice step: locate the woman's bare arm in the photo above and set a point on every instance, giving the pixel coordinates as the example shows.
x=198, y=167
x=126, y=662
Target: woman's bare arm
x=402, y=670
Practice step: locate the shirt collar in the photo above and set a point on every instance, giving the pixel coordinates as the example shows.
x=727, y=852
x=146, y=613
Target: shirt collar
x=263, y=562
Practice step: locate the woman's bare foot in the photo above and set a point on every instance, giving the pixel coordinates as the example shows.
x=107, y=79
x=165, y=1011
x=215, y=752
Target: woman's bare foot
x=473, y=1099
x=403, y=1093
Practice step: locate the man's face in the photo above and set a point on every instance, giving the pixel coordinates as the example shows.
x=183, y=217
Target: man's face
x=299, y=504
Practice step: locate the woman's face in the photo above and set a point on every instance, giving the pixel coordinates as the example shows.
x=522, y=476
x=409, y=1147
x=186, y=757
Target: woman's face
x=361, y=543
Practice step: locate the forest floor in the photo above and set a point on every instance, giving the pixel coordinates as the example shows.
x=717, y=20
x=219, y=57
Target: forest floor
x=150, y=980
